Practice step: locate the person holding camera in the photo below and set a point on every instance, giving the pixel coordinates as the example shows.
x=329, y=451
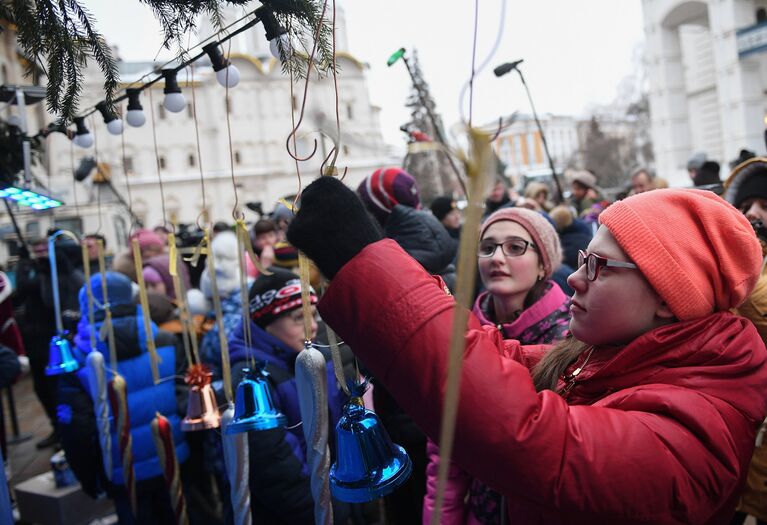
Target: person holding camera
x=647, y=414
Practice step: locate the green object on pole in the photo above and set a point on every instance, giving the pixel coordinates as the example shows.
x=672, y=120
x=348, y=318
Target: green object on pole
x=396, y=56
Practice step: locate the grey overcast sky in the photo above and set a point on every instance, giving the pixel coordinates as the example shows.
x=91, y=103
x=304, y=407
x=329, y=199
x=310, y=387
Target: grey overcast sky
x=576, y=52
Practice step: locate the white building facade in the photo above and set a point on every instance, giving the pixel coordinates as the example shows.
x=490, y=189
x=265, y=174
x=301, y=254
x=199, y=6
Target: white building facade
x=246, y=151
x=707, y=74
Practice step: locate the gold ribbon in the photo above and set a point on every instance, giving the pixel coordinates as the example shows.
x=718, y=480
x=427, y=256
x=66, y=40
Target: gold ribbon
x=107, y=326
x=306, y=305
x=479, y=169
x=189, y=338
x=226, y=370
x=89, y=292
x=243, y=242
x=244, y=237
x=154, y=360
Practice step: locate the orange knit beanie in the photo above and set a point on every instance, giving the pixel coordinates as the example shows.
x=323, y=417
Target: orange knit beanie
x=698, y=252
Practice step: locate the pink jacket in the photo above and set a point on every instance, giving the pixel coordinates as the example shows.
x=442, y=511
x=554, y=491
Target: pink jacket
x=545, y=321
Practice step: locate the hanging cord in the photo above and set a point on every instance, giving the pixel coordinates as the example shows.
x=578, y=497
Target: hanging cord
x=473, y=59
x=490, y=55
x=157, y=160
x=331, y=170
x=74, y=181
x=204, y=210
x=236, y=213
x=295, y=160
x=306, y=91
x=127, y=185
x=108, y=325
x=239, y=219
x=226, y=370
x=98, y=172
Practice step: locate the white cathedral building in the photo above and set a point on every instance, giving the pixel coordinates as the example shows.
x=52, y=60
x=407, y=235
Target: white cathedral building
x=707, y=73
x=251, y=147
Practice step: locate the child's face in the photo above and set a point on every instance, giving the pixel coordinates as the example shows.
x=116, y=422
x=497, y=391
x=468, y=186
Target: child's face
x=620, y=305
x=289, y=328
x=505, y=276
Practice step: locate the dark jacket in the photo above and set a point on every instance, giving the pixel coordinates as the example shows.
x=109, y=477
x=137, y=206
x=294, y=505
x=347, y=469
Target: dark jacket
x=77, y=422
x=574, y=237
x=34, y=291
x=279, y=475
x=425, y=239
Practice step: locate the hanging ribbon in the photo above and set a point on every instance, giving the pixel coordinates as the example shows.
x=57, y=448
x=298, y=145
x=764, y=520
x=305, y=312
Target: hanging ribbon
x=338, y=365
x=226, y=370
x=94, y=363
x=119, y=402
x=108, y=326
x=243, y=236
x=243, y=243
x=237, y=468
x=479, y=169
x=89, y=293
x=154, y=358
x=188, y=335
x=166, y=451
x=311, y=380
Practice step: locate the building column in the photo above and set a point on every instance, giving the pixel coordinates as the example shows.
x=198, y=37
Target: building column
x=738, y=80
x=668, y=101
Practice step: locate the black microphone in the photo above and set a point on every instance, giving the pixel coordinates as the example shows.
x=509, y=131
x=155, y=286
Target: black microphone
x=505, y=68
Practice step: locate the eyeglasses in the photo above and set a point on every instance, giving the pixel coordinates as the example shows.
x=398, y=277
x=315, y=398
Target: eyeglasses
x=510, y=248
x=594, y=263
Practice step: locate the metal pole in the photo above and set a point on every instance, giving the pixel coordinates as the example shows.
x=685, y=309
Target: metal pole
x=561, y=195
x=437, y=130
x=25, y=147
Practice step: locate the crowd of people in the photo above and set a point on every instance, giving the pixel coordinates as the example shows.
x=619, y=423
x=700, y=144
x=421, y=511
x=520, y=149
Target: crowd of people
x=615, y=369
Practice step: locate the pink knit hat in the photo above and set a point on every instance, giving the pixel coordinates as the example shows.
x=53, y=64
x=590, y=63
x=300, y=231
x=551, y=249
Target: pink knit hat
x=543, y=233
x=698, y=252
x=147, y=239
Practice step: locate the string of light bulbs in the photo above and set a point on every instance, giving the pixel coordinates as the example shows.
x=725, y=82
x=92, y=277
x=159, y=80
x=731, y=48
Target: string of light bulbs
x=227, y=75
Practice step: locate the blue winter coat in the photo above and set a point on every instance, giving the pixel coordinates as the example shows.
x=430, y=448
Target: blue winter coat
x=77, y=423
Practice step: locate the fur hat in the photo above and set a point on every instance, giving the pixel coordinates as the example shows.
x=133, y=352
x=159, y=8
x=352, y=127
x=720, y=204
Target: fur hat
x=747, y=180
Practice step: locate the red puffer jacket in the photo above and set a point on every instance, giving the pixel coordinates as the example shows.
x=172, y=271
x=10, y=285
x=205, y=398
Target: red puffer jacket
x=660, y=431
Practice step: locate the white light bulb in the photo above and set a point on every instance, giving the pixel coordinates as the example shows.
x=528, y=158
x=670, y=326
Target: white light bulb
x=229, y=76
x=274, y=46
x=115, y=127
x=84, y=141
x=174, y=102
x=135, y=118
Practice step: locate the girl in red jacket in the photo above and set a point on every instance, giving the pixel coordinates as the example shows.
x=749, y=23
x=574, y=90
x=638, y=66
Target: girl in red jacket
x=647, y=414
x=518, y=252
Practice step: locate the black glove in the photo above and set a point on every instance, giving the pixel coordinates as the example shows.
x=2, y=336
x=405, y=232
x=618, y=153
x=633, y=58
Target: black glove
x=332, y=225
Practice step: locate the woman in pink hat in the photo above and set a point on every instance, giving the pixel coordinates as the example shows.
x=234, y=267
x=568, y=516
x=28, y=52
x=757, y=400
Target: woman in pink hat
x=518, y=252
x=647, y=414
